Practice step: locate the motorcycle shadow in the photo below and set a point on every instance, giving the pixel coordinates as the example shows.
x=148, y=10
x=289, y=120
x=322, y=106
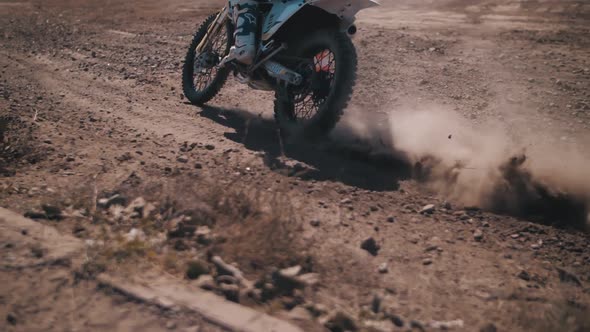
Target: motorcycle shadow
x=321, y=161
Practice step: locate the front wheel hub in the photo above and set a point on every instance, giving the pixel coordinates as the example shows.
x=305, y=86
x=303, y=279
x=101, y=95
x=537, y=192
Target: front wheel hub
x=206, y=60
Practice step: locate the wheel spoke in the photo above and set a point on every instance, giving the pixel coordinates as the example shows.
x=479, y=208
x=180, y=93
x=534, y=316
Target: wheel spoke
x=203, y=78
x=308, y=102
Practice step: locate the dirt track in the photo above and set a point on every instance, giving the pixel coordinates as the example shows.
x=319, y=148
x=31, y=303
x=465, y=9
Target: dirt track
x=98, y=84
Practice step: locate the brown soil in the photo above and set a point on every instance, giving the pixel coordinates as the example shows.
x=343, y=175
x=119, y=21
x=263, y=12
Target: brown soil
x=450, y=95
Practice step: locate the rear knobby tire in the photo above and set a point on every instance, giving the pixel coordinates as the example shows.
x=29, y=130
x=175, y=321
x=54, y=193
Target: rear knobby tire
x=332, y=109
x=195, y=96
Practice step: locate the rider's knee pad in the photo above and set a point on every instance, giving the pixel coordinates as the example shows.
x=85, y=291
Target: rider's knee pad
x=246, y=23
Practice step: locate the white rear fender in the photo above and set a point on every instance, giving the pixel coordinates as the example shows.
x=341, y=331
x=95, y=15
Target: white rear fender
x=345, y=9
x=282, y=11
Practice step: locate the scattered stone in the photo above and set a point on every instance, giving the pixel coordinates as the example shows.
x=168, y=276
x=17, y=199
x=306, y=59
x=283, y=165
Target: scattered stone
x=300, y=314
x=447, y=325
x=204, y=236
x=371, y=246
x=428, y=209
x=290, y=273
x=524, y=275
x=52, y=212
x=427, y=261
x=225, y=279
x=35, y=214
x=478, y=235
x=488, y=328
x=210, y=147
x=206, y=282
x=391, y=219
x=315, y=223
x=224, y=268
x=417, y=325
x=179, y=245
x=309, y=279
x=136, y=208
x=383, y=268
x=37, y=251
x=198, y=166
x=397, y=320
x=231, y=292
x=11, y=318
x=196, y=268
x=135, y=235
x=340, y=321
x=117, y=199
x=346, y=201
x=568, y=277
x=376, y=303
x=182, y=159
x=316, y=309
x=171, y=325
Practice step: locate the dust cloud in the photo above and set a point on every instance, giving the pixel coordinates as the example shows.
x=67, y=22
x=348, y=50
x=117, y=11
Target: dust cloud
x=481, y=166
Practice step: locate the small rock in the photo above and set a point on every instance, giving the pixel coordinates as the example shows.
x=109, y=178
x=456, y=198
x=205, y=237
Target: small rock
x=315, y=223
x=397, y=320
x=371, y=246
x=182, y=159
x=427, y=261
x=117, y=199
x=196, y=268
x=524, y=275
x=340, y=321
x=37, y=251
x=204, y=236
x=447, y=325
x=300, y=314
x=135, y=209
x=180, y=245
x=11, y=318
x=309, y=279
x=52, y=212
x=391, y=219
x=376, y=303
x=568, y=277
x=346, y=201
x=417, y=325
x=35, y=214
x=428, y=209
x=198, y=166
x=210, y=147
x=135, y=235
x=290, y=273
x=205, y=282
x=383, y=268
x=478, y=235
x=231, y=292
x=488, y=328
x=171, y=325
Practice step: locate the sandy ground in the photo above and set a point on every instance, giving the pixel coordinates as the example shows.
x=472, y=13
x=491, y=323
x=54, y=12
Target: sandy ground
x=92, y=106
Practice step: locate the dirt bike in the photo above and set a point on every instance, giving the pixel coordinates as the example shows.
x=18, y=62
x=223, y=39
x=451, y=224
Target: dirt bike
x=305, y=56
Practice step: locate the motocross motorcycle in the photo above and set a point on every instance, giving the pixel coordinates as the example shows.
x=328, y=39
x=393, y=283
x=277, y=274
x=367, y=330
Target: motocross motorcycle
x=305, y=55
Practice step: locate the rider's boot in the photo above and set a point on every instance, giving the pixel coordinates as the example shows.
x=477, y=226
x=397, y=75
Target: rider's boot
x=245, y=16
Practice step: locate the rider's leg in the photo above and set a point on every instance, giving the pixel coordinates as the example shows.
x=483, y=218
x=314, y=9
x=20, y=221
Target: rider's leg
x=245, y=19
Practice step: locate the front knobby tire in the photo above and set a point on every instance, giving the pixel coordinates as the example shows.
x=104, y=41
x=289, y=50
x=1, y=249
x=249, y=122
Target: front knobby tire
x=330, y=111
x=201, y=87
